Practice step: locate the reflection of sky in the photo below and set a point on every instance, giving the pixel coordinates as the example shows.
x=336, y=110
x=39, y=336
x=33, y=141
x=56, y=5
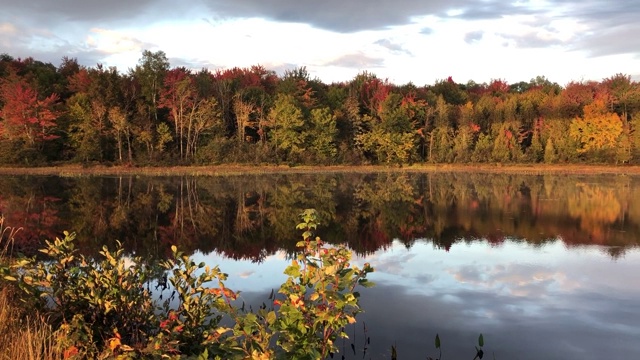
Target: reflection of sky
x=530, y=302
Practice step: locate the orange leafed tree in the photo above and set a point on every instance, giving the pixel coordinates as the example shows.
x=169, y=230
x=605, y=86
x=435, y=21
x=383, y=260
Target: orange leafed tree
x=24, y=117
x=598, y=129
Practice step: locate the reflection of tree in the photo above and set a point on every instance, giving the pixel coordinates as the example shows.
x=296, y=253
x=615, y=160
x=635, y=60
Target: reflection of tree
x=596, y=208
x=29, y=206
x=384, y=211
x=251, y=217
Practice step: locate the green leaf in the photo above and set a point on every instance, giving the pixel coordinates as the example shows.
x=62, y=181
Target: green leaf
x=481, y=340
x=292, y=270
x=204, y=355
x=437, y=341
x=366, y=283
x=271, y=317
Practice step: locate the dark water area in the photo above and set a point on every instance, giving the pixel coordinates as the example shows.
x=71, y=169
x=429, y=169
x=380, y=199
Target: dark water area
x=545, y=266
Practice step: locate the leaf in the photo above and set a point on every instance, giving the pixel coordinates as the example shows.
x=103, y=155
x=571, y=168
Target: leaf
x=437, y=341
x=366, y=283
x=204, y=355
x=10, y=278
x=330, y=270
x=174, y=249
x=292, y=270
x=481, y=340
x=271, y=317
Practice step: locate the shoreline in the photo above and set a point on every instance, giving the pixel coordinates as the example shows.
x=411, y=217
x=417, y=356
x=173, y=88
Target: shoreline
x=229, y=169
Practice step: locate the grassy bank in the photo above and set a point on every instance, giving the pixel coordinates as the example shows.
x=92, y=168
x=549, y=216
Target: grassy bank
x=229, y=170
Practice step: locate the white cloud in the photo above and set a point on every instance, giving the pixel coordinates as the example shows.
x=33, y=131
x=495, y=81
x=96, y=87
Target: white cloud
x=405, y=41
x=114, y=42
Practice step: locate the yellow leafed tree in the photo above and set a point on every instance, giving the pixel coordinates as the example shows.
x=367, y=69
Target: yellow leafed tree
x=598, y=129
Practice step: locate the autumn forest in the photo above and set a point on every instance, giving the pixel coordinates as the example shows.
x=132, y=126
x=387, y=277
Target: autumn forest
x=154, y=114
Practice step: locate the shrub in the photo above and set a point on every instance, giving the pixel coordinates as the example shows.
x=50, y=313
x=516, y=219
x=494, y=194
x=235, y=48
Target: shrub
x=104, y=308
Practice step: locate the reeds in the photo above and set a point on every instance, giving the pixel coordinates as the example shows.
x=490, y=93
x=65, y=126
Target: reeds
x=22, y=336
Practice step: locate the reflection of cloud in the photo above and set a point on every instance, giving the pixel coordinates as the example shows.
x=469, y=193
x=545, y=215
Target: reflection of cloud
x=520, y=280
x=392, y=264
x=278, y=256
x=514, y=327
x=470, y=274
x=246, y=274
x=128, y=262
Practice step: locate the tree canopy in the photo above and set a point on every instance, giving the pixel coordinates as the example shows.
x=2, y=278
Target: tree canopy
x=156, y=114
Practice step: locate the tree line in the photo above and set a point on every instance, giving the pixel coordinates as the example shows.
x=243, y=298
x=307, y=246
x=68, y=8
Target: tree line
x=155, y=114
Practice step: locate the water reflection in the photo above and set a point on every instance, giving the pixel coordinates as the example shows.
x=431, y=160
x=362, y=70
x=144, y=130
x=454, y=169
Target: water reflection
x=251, y=217
x=544, y=266
x=531, y=303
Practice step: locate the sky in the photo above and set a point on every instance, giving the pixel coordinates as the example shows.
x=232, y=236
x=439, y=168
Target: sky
x=418, y=41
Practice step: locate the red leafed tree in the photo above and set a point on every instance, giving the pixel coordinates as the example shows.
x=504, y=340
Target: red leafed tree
x=498, y=87
x=24, y=117
x=178, y=95
x=192, y=116
x=373, y=93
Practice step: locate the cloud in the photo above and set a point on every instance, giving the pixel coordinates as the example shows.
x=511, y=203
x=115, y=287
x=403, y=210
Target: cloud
x=611, y=41
x=7, y=29
x=426, y=31
x=22, y=41
x=607, y=27
x=96, y=12
x=356, y=61
x=473, y=37
x=114, y=42
x=354, y=34
x=356, y=15
x=533, y=40
x=193, y=63
x=395, y=47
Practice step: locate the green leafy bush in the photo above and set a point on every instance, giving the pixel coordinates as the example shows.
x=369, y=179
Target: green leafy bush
x=104, y=308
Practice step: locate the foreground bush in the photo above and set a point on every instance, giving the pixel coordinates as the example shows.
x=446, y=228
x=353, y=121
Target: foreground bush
x=104, y=308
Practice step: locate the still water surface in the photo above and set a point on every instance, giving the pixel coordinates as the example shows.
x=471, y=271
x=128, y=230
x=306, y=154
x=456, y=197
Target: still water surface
x=543, y=266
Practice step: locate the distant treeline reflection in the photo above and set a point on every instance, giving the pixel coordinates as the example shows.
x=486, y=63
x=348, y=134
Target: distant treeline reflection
x=250, y=217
